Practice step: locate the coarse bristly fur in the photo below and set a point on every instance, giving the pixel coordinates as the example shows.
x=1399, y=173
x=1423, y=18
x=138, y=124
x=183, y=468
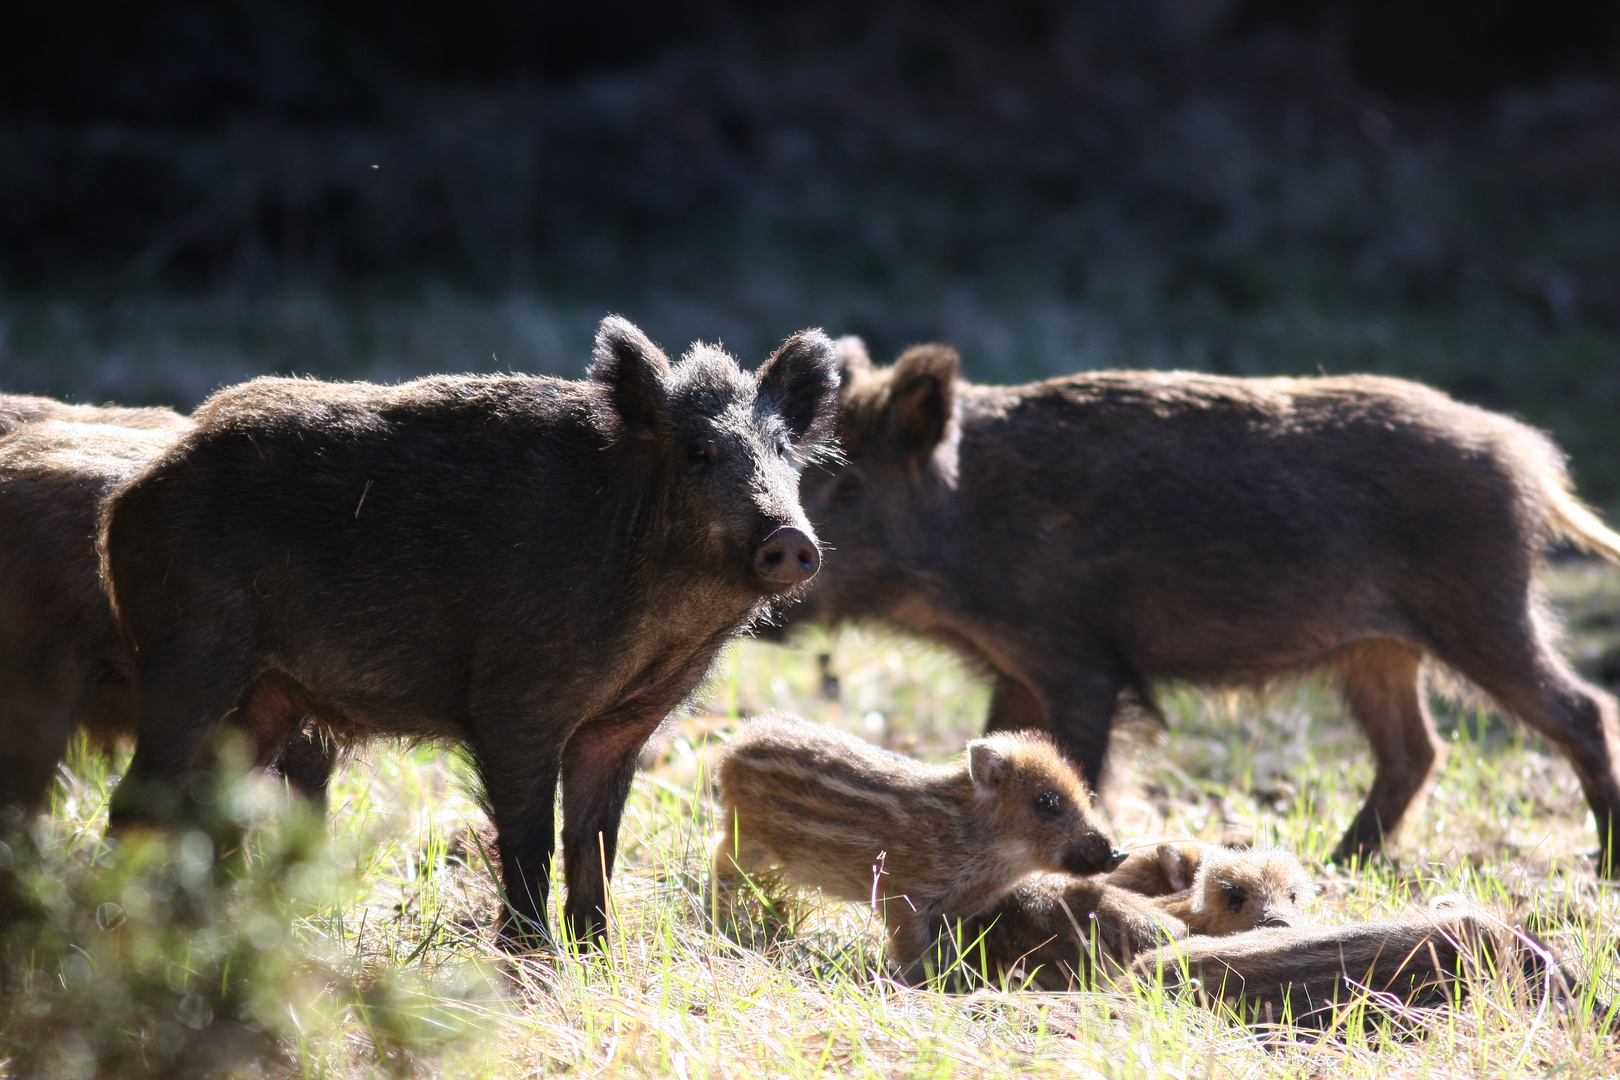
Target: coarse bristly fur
x=925, y=844
x=1308, y=975
x=1158, y=868
x=63, y=664
x=1085, y=535
x=534, y=568
x=19, y=409
x=1233, y=891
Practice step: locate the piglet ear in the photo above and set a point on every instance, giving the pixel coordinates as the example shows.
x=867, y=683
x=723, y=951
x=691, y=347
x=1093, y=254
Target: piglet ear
x=800, y=381
x=633, y=372
x=987, y=766
x=922, y=395
x=1178, y=869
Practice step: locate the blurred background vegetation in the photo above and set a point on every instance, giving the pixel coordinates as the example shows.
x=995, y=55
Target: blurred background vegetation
x=194, y=192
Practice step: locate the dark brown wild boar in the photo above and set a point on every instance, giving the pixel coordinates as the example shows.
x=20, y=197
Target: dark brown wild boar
x=536, y=569
x=1085, y=535
x=63, y=665
x=19, y=409
x=1233, y=891
x=925, y=844
x=1308, y=975
x=1061, y=932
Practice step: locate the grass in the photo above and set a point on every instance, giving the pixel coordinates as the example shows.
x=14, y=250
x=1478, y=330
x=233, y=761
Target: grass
x=361, y=947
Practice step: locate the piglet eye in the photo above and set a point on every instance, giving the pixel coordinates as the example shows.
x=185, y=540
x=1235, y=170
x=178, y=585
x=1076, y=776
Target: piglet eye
x=1293, y=898
x=1049, y=804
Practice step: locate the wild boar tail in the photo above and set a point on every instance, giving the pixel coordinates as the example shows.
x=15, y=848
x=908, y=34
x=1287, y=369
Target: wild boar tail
x=1571, y=521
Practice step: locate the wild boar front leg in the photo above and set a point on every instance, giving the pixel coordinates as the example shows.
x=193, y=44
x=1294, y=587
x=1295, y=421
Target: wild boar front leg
x=1385, y=695
x=1014, y=706
x=520, y=793
x=1080, y=714
x=599, y=763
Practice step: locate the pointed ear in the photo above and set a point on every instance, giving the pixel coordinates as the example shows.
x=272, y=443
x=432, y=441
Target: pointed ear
x=1178, y=869
x=633, y=371
x=800, y=381
x=853, y=359
x=921, y=396
x=987, y=766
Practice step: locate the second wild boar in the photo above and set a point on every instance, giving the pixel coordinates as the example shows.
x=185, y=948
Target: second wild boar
x=63, y=665
x=536, y=569
x=1082, y=536
x=925, y=844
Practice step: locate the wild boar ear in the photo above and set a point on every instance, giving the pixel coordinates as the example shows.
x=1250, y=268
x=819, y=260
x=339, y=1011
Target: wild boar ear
x=987, y=766
x=633, y=371
x=853, y=359
x=922, y=394
x=801, y=381
x=1178, y=870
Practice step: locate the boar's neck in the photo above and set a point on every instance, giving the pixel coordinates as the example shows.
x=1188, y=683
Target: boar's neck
x=684, y=606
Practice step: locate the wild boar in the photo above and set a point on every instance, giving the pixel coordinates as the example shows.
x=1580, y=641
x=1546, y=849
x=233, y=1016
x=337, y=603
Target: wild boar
x=19, y=409
x=1085, y=535
x=63, y=665
x=924, y=844
x=1308, y=975
x=534, y=568
x=1056, y=931
x=1234, y=891
x=1160, y=869
x=1060, y=932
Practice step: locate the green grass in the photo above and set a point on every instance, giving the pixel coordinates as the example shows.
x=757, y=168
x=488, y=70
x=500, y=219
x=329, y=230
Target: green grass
x=361, y=946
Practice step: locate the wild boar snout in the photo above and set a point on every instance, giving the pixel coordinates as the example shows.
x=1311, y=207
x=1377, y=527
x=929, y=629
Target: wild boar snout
x=787, y=557
x=1094, y=856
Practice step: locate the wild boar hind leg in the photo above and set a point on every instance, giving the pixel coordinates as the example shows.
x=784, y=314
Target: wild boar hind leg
x=1517, y=665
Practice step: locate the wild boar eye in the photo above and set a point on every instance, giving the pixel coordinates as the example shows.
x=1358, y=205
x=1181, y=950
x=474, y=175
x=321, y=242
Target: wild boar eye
x=1293, y=898
x=847, y=487
x=700, y=453
x=1049, y=804
x=1234, y=902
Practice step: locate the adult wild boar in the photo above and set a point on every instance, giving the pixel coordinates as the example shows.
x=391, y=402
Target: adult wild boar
x=535, y=568
x=62, y=664
x=19, y=409
x=1084, y=535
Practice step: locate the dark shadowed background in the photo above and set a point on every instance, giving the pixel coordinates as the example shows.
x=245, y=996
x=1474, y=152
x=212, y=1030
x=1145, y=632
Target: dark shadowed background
x=192, y=193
